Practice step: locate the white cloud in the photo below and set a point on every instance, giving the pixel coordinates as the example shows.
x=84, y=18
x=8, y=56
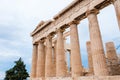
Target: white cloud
x=9, y=42
x=6, y=53
x=41, y=9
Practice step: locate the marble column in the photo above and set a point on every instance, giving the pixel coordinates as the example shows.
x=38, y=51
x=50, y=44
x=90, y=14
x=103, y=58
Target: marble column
x=41, y=60
x=116, y=4
x=60, y=55
x=54, y=58
x=99, y=60
x=34, y=61
x=49, y=60
x=76, y=63
x=90, y=60
x=111, y=53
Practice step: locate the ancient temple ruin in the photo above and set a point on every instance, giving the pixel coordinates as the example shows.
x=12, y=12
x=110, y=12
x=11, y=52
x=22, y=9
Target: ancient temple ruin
x=48, y=59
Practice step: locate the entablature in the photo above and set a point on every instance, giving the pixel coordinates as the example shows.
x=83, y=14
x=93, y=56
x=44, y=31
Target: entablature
x=75, y=11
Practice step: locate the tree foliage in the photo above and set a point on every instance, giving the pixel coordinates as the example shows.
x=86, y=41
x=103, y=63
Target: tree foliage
x=18, y=72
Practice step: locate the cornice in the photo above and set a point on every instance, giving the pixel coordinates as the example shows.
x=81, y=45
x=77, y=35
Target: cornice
x=66, y=8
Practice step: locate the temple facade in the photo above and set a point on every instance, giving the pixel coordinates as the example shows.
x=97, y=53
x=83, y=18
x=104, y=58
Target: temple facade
x=49, y=45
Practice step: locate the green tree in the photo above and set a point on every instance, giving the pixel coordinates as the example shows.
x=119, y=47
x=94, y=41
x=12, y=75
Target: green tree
x=18, y=72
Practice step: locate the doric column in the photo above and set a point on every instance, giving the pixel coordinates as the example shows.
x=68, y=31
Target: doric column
x=34, y=61
x=54, y=58
x=60, y=55
x=41, y=60
x=76, y=63
x=99, y=60
x=90, y=60
x=111, y=53
x=49, y=60
x=116, y=4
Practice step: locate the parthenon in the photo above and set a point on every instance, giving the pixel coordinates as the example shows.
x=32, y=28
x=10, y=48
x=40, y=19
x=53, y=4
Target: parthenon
x=49, y=46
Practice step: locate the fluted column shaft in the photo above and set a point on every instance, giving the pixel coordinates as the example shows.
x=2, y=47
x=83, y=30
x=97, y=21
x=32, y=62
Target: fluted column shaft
x=54, y=58
x=90, y=60
x=49, y=61
x=111, y=53
x=60, y=55
x=41, y=60
x=99, y=60
x=34, y=61
x=76, y=63
x=116, y=4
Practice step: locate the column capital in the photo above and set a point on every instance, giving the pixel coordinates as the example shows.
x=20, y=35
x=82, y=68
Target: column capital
x=93, y=11
x=34, y=44
x=41, y=40
x=50, y=36
x=74, y=22
x=60, y=30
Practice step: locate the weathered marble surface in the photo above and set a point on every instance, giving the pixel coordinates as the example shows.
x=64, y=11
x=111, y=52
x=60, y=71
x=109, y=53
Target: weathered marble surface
x=83, y=78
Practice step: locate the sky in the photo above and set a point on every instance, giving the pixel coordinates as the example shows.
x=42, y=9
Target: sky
x=18, y=18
